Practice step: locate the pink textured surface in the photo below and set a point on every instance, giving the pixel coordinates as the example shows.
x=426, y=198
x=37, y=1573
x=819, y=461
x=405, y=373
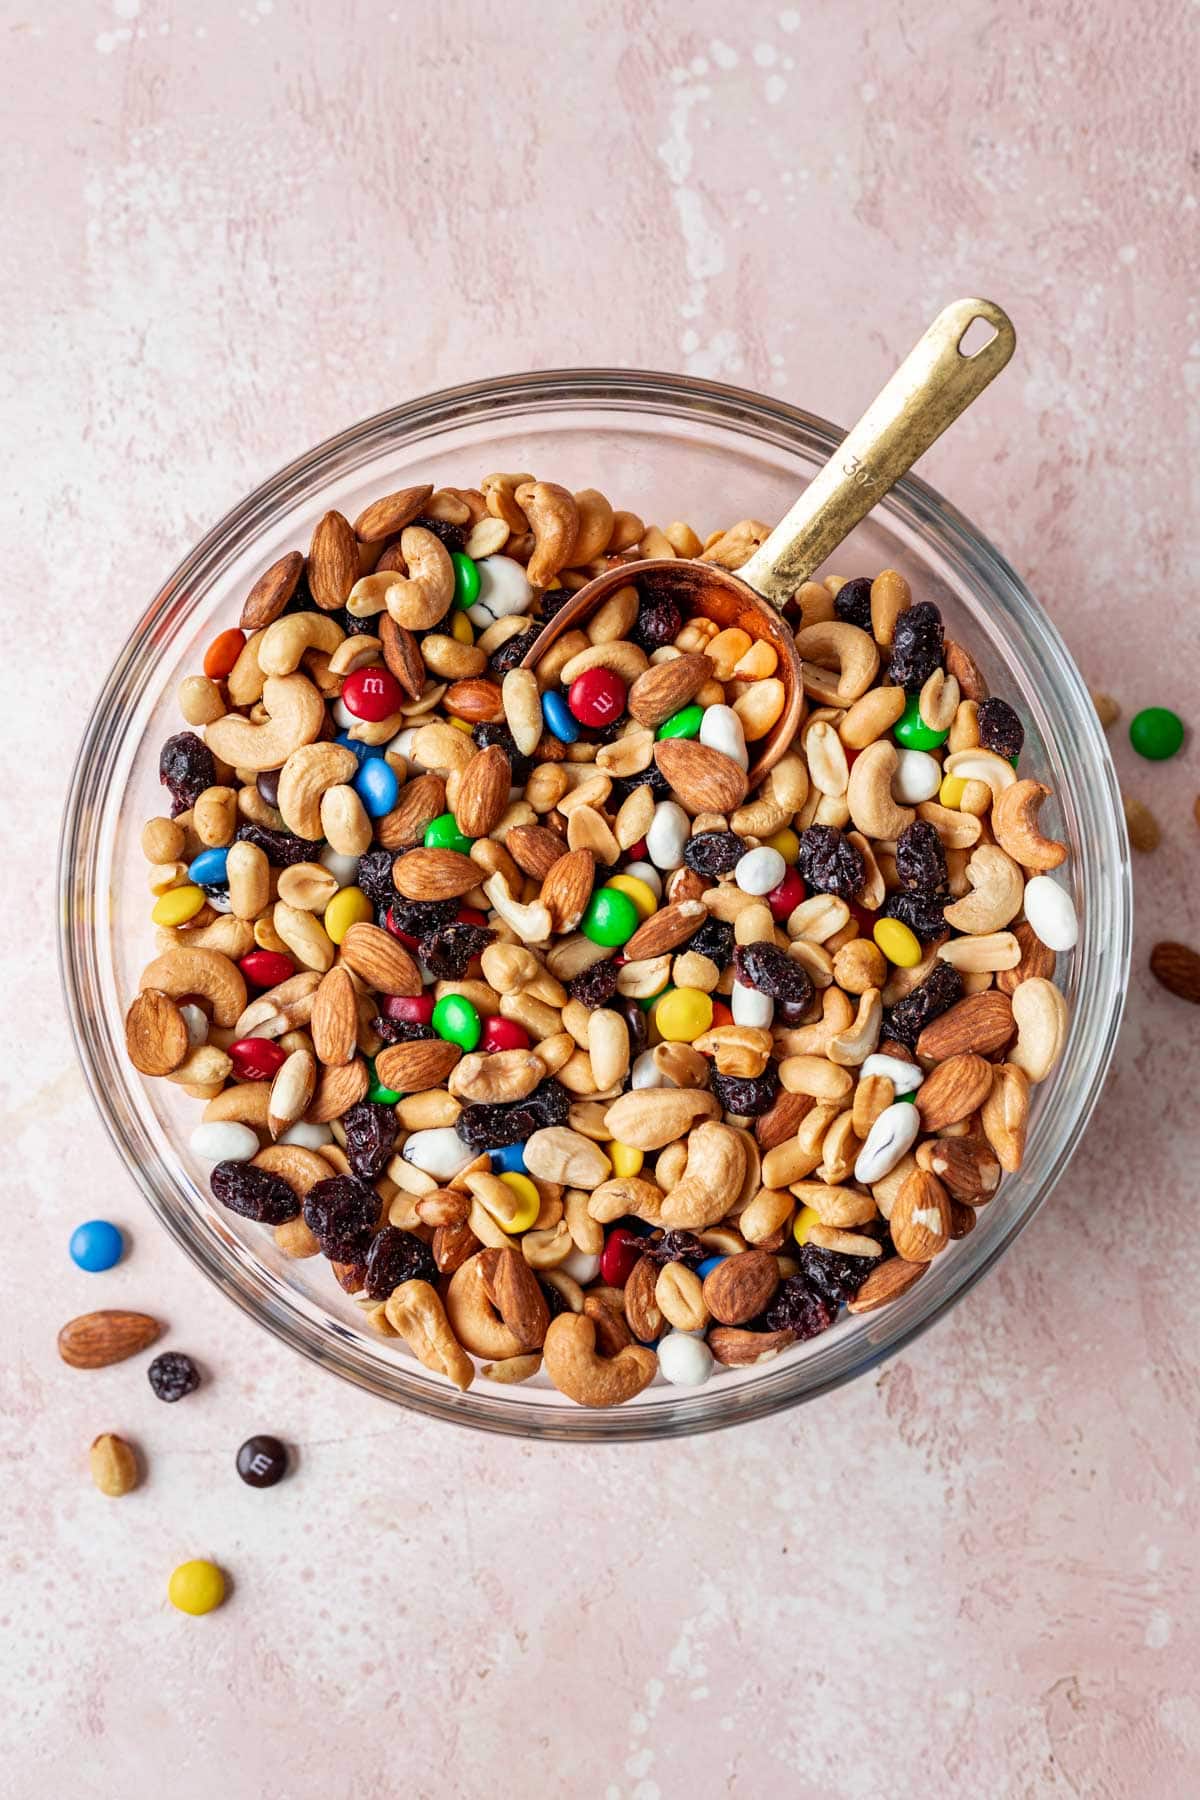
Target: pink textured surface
x=239, y=227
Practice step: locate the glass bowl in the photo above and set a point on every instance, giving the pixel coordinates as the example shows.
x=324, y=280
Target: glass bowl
x=669, y=448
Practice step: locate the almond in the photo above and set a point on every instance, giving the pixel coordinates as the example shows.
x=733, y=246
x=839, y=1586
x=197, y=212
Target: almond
x=567, y=889
x=967, y=1166
x=402, y=654
x=1036, y=960
x=96, y=1339
x=337, y=1090
x=704, y=779
x=663, y=930
x=667, y=686
x=391, y=513
x=411, y=1068
x=737, y=1349
x=642, y=1310
x=518, y=1298
x=377, y=958
x=483, y=792
x=888, y=1281
x=920, y=1218
x=421, y=801
x=980, y=1023
x=271, y=592
x=332, y=562
x=475, y=700
x=783, y=1121
x=435, y=875
x=334, y=1023
x=535, y=849
x=739, y=1288
x=113, y=1465
x=965, y=670
x=953, y=1091
x=1177, y=968
x=156, y=1037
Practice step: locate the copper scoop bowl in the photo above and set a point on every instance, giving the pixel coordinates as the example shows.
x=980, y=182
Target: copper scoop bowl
x=935, y=383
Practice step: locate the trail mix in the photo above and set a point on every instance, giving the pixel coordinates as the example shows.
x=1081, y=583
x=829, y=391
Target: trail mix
x=505, y=994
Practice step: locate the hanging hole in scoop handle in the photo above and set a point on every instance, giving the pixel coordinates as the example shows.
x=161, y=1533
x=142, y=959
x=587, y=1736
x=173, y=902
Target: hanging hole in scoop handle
x=935, y=383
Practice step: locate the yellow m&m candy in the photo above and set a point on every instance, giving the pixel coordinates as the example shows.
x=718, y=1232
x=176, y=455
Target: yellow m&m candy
x=196, y=1587
x=348, y=907
x=178, y=905
x=624, y=1158
x=529, y=1202
x=683, y=1015
x=900, y=945
x=640, y=892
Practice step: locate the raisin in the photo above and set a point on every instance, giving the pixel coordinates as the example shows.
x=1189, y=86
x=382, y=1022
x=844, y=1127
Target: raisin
x=453, y=536
x=921, y=912
x=554, y=1301
x=653, y=778
x=342, y=1214
x=797, y=1308
x=370, y=1128
x=837, y=1278
x=352, y=625
x=172, y=1375
x=920, y=859
x=401, y=1031
x=852, y=603
x=301, y=600
x=659, y=621
x=714, y=852
x=419, y=918
x=676, y=1246
x=551, y=602
x=790, y=1013
x=549, y=1103
x=770, y=970
x=253, y=1193
x=492, y=1127
x=916, y=646
x=637, y=1025
x=1000, y=729
x=374, y=876
x=939, y=991
x=186, y=767
x=513, y=651
x=747, y=1095
x=395, y=1256
x=447, y=953
x=595, y=986
x=495, y=731
x=282, y=849
x=829, y=862
x=714, y=940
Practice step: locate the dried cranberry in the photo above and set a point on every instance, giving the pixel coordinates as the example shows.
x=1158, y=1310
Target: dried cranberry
x=829, y=863
x=837, y=1278
x=852, y=602
x=513, y=651
x=659, y=621
x=917, y=644
x=920, y=859
x=676, y=1246
x=747, y=1095
x=419, y=918
x=374, y=876
x=370, y=1128
x=492, y=1127
x=714, y=940
x=549, y=1103
x=282, y=849
x=453, y=536
x=713, y=852
x=770, y=970
x=186, y=767
x=447, y=953
x=797, y=1308
x=939, y=991
x=921, y=912
x=342, y=1214
x=396, y=1256
x=172, y=1375
x=253, y=1193
x=1000, y=729
x=595, y=986
x=401, y=1031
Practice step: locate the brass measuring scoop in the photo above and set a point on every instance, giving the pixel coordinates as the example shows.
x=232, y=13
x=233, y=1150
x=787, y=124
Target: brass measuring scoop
x=935, y=383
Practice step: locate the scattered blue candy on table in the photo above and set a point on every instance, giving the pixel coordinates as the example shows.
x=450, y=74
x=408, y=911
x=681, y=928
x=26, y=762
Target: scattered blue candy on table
x=560, y=721
x=208, y=869
x=96, y=1245
x=377, y=786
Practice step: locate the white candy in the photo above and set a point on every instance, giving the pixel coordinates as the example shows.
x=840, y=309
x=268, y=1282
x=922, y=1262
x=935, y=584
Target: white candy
x=504, y=590
x=223, y=1140
x=1050, y=910
x=918, y=777
x=721, y=729
x=402, y=743
x=197, y=1025
x=905, y=1077
x=646, y=1072
x=749, y=1007
x=644, y=871
x=684, y=1360
x=581, y=1267
x=760, y=870
x=668, y=833
x=220, y=902
x=309, y=1137
x=439, y=1152
x=890, y=1137
x=342, y=868
x=343, y=717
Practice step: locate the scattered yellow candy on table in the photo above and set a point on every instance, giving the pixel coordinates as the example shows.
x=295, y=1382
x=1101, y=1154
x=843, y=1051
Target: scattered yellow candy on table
x=787, y=844
x=805, y=1219
x=348, y=907
x=624, y=1158
x=196, y=1587
x=527, y=1194
x=683, y=1015
x=900, y=945
x=951, y=791
x=640, y=892
x=178, y=905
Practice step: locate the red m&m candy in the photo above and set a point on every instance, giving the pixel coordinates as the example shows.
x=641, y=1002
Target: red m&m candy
x=417, y=1009
x=256, y=1059
x=621, y=1253
x=787, y=896
x=596, y=697
x=503, y=1034
x=372, y=694
x=266, y=968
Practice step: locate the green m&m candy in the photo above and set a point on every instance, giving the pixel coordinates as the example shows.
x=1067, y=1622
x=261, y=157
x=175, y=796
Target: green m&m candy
x=466, y=579
x=386, y=1096
x=1156, y=733
x=913, y=732
x=685, y=723
x=442, y=833
x=456, y=1020
x=611, y=918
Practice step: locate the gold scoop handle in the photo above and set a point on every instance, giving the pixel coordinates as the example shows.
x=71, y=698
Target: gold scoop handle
x=933, y=384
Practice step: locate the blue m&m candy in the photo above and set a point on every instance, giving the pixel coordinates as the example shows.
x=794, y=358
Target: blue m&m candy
x=96, y=1245
x=509, y=1160
x=208, y=869
x=560, y=721
x=377, y=786
x=705, y=1269
x=364, y=752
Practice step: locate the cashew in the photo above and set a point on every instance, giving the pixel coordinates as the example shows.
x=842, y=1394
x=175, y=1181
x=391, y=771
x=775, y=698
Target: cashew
x=476, y=1323
x=938, y=702
x=713, y=1177
x=415, y=1311
x=981, y=765
x=295, y=715
x=249, y=1103
x=998, y=890
x=554, y=520
x=957, y=830
x=285, y=642
x=571, y=1361
x=832, y=646
x=425, y=596
x=206, y=973
x=244, y=682
x=1015, y=825
x=627, y=660
x=305, y=776
x=282, y=1008
x=1040, y=1014
x=870, y=717
x=593, y=528
x=814, y=1040
x=849, y=1048
x=869, y=794
x=499, y=493
x=531, y=923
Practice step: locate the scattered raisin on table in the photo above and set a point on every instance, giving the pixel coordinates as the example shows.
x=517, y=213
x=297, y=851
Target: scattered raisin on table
x=395, y=1256
x=917, y=646
x=714, y=852
x=1000, y=729
x=770, y=970
x=252, y=1193
x=829, y=863
x=186, y=767
x=920, y=858
x=341, y=1213
x=852, y=603
x=939, y=991
x=172, y=1375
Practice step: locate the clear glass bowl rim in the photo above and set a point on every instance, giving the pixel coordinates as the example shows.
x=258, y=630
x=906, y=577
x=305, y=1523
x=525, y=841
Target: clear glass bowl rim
x=1110, y=910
